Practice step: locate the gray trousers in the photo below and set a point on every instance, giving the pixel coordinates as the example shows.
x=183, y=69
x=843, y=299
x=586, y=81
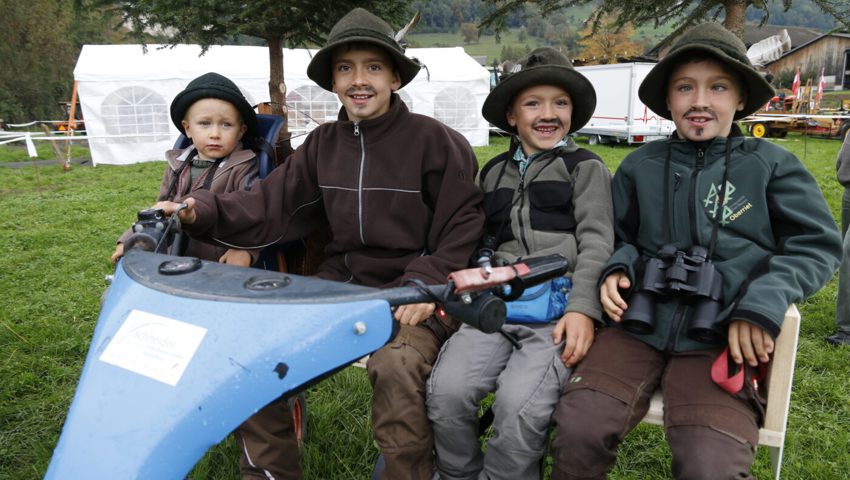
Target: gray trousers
x=842, y=304
x=527, y=383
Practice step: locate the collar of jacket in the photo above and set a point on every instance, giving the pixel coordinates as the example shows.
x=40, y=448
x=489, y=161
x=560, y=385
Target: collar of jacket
x=376, y=127
x=176, y=157
x=715, y=149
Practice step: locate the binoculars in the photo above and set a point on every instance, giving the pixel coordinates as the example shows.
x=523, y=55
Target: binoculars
x=676, y=274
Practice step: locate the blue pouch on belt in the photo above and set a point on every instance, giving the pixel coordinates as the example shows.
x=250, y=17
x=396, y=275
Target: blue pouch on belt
x=541, y=303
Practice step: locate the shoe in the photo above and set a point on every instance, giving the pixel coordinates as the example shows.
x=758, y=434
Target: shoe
x=380, y=465
x=839, y=338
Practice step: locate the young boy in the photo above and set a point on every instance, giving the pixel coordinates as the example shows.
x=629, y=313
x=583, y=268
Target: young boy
x=716, y=235
x=842, y=304
x=211, y=112
x=398, y=192
x=545, y=195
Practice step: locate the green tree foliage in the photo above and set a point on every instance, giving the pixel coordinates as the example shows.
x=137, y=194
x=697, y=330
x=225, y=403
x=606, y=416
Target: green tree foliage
x=469, y=32
x=40, y=41
x=681, y=13
x=278, y=23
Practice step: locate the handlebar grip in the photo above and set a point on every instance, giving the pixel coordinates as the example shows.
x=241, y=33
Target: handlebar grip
x=486, y=312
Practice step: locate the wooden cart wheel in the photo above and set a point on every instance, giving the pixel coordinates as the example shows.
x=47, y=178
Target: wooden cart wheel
x=760, y=130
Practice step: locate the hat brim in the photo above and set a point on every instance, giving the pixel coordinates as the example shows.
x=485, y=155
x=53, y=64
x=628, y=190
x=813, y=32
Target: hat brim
x=653, y=90
x=579, y=88
x=184, y=100
x=319, y=69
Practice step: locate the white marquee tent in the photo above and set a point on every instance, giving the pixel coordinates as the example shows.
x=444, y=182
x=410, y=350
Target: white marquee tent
x=125, y=93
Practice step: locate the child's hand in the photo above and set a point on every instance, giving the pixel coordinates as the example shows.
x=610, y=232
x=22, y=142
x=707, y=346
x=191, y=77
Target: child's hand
x=187, y=215
x=413, y=314
x=749, y=342
x=239, y=258
x=609, y=294
x=118, y=253
x=577, y=328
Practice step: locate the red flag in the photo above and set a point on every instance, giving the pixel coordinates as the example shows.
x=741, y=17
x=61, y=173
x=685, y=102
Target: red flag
x=821, y=86
x=795, y=87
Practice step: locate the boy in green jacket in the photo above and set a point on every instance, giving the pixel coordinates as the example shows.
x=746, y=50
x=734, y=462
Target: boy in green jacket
x=717, y=235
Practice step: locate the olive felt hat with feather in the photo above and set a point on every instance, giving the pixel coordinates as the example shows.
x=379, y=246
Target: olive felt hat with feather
x=360, y=26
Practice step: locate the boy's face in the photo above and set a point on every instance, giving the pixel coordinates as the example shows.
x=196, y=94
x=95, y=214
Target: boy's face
x=364, y=79
x=542, y=116
x=215, y=127
x=703, y=97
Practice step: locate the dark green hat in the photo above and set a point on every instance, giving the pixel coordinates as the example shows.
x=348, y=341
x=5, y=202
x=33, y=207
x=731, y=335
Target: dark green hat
x=213, y=85
x=715, y=40
x=360, y=26
x=543, y=66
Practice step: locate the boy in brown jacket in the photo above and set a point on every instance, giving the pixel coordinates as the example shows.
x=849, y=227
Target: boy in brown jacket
x=398, y=191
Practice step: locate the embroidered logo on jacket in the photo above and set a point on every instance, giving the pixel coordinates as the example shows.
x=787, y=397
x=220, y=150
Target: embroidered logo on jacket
x=733, y=206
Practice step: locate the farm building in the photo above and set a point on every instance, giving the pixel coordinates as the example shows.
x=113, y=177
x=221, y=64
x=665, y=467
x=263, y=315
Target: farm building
x=830, y=51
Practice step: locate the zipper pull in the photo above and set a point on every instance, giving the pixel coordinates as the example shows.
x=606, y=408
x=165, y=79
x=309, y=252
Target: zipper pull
x=677, y=179
x=356, y=129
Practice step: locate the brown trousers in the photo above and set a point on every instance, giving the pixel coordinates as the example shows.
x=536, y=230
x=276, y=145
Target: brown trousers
x=712, y=434
x=268, y=445
x=398, y=372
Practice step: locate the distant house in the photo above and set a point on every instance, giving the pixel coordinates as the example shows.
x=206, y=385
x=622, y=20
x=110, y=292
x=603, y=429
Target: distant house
x=830, y=51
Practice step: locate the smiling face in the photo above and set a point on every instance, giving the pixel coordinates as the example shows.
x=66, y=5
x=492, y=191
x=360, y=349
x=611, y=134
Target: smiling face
x=214, y=126
x=364, y=79
x=542, y=115
x=703, y=98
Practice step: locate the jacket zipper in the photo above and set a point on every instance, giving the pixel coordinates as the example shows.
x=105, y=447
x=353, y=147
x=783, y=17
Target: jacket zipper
x=692, y=209
x=521, y=190
x=674, y=331
x=360, y=183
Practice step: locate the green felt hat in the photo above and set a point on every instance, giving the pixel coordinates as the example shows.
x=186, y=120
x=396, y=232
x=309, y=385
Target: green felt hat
x=361, y=26
x=720, y=43
x=542, y=66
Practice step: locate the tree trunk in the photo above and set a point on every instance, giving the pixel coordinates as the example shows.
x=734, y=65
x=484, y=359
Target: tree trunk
x=735, y=16
x=277, y=94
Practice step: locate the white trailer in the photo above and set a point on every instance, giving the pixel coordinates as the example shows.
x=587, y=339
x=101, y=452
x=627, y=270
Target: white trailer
x=620, y=115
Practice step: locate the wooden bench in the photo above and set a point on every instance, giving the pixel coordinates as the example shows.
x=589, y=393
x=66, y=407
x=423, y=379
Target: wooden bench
x=780, y=376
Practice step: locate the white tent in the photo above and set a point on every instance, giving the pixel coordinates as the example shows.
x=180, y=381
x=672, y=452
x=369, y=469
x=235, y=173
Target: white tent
x=125, y=93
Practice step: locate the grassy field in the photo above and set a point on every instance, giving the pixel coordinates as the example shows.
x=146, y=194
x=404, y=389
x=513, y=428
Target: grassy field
x=58, y=230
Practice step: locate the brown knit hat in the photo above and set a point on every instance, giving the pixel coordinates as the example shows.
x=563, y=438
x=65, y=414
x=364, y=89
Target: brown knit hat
x=361, y=26
x=715, y=40
x=542, y=66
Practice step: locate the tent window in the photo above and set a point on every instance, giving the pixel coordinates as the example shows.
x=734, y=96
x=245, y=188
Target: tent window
x=310, y=106
x=455, y=106
x=135, y=115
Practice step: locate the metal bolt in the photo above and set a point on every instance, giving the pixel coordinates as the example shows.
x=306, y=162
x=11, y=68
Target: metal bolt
x=359, y=328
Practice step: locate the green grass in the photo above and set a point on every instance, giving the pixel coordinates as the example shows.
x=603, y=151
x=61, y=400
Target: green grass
x=58, y=230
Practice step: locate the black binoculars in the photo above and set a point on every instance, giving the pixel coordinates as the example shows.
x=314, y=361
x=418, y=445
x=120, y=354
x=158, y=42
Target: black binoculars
x=677, y=274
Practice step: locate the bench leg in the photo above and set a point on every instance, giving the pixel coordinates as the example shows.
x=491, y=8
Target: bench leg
x=776, y=459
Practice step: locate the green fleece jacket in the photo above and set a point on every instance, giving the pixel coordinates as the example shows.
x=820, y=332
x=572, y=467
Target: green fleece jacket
x=777, y=242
